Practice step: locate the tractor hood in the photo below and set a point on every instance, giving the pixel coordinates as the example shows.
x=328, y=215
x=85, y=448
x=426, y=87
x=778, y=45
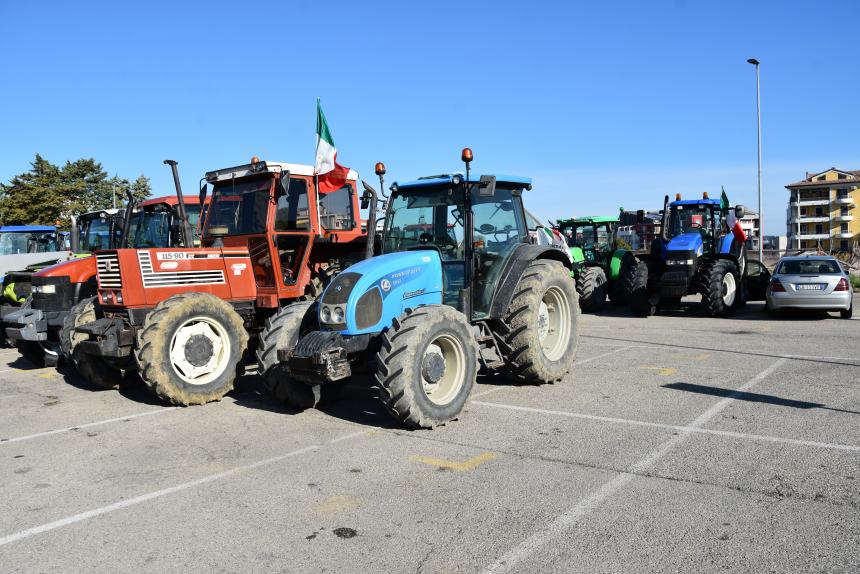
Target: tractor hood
x=367, y=296
x=687, y=242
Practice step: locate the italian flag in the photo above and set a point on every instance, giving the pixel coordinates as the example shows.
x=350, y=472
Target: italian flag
x=732, y=221
x=330, y=174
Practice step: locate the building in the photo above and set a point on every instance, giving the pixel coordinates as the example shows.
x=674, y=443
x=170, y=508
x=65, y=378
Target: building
x=821, y=211
x=752, y=229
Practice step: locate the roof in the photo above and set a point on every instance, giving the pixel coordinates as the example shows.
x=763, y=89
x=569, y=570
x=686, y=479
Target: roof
x=97, y=212
x=192, y=199
x=807, y=257
x=473, y=178
x=696, y=202
x=26, y=228
x=853, y=176
x=266, y=167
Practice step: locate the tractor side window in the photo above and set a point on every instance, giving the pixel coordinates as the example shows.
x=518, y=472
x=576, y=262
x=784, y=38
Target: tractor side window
x=336, y=209
x=293, y=213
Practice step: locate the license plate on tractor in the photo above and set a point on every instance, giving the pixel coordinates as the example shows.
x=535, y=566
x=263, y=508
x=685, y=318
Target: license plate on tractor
x=809, y=286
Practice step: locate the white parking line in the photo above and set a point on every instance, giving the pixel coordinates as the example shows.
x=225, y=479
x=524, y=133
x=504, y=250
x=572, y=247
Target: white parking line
x=87, y=425
x=567, y=520
x=633, y=422
x=163, y=492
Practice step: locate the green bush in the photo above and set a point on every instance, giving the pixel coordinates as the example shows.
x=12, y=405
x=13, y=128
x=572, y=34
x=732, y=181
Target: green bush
x=855, y=281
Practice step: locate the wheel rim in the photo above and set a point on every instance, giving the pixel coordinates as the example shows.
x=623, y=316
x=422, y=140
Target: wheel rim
x=553, y=323
x=729, y=289
x=200, y=350
x=443, y=369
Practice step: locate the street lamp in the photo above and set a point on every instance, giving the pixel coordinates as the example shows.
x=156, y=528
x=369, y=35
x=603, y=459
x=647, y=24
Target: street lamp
x=755, y=63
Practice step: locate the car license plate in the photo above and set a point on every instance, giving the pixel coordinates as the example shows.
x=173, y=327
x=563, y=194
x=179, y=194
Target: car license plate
x=809, y=286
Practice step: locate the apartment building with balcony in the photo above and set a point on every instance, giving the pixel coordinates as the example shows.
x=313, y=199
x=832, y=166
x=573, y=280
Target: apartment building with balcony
x=822, y=211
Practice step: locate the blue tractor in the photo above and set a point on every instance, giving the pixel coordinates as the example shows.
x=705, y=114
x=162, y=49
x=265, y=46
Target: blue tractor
x=695, y=253
x=459, y=286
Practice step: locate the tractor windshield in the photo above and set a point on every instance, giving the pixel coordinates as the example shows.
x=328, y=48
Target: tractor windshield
x=15, y=242
x=152, y=227
x=240, y=206
x=96, y=234
x=686, y=218
x=431, y=218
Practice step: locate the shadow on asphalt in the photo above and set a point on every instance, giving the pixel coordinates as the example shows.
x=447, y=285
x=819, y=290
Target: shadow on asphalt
x=751, y=397
x=753, y=311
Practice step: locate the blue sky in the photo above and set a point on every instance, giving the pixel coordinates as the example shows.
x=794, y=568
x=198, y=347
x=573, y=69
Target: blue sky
x=603, y=103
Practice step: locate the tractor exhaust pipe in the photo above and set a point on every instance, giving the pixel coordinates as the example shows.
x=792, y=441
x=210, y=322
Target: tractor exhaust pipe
x=126, y=220
x=187, y=235
x=368, y=201
x=664, y=223
x=75, y=236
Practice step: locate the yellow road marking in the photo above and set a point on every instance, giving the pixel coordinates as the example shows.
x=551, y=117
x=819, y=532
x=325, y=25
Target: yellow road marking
x=466, y=465
x=49, y=375
x=337, y=503
x=662, y=371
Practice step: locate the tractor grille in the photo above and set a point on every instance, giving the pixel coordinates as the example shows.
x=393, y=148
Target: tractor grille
x=151, y=278
x=107, y=265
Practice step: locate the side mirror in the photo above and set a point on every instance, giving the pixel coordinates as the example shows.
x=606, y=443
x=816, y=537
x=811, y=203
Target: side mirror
x=640, y=216
x=740, y=211
x=203, y=191
x=487, y=186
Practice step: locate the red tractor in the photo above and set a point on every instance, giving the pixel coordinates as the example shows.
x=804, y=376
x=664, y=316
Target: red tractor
x=184, y=318
x=36, y=328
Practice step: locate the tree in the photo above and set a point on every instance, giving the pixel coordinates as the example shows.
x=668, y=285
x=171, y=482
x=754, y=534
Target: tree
x=47, y=193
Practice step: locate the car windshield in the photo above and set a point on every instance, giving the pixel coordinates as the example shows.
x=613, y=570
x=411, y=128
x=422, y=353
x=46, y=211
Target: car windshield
x=809, y=267
x=96, y=234
x=687, y=218
x=14, y=242
x=240, y=207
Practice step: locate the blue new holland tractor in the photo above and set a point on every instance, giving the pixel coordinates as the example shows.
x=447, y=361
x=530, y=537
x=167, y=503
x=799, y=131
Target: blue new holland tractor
x=695, y=253
x=459, y=287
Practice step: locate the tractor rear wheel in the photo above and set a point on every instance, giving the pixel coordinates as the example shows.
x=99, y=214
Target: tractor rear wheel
x=319, y=281
x=720, y=286
x=283, y=330
x=635, y=285
x=92, y=368
x=591, y=287
x=427, y=365
x=189, y=348
x=539, y=335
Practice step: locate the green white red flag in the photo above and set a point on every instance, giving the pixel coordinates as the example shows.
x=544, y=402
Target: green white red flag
x=330, y=174
x=731, y=219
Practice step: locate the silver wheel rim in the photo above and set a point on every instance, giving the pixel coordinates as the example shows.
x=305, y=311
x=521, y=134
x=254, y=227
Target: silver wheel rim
x=453, y=356
x=729, y=289
x=553, y=326
x=216, y=335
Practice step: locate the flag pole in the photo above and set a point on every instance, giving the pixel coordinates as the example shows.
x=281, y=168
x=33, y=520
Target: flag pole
x=317, y=177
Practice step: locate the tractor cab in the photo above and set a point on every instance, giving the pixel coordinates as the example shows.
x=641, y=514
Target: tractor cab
x=472, y=226
x=157, y=223
x=694, y=224
x=99, y=230
x=293, y=230
x=590, y=239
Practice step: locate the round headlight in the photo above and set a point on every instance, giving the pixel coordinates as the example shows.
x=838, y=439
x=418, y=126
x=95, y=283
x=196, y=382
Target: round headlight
x=325, y=314
x=337, y=315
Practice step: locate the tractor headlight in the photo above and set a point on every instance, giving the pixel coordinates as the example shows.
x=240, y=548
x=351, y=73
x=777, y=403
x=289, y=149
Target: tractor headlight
x=337, y=315
x=325, y=314
x=45, y=289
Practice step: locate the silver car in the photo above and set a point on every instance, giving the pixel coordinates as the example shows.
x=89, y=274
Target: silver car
x=810, y=282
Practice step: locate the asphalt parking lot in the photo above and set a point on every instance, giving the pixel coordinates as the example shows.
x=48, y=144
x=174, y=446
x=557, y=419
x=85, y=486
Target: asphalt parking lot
x=677, y=443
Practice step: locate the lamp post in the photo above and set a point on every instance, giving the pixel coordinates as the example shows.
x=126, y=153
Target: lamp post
x=755, y=63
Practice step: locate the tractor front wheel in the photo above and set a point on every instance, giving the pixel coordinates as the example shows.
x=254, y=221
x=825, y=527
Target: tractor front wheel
x=283, y=330
x=427, y=365
x=720, y=287
x=94, y=369
x=635, y=284
x=591, y=287
x=539, y=335
x=189, y=348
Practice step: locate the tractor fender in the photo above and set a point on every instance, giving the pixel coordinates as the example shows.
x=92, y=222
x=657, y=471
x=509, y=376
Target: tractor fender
x=514, y=268
x=577, y=254
x=616, y=263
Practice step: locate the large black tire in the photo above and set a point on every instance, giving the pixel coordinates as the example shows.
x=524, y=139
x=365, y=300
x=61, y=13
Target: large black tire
x=538, y=348
x=635, y=285
x=32, y=351
x=591, y=288
x=92, y=368
x=719, y=284
x=283, y=330
x=319, y=281
x=617, y=294
x=427, y=365
x=187, y=332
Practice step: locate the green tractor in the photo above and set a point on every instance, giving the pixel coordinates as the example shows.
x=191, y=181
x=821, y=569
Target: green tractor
x=599, y=262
